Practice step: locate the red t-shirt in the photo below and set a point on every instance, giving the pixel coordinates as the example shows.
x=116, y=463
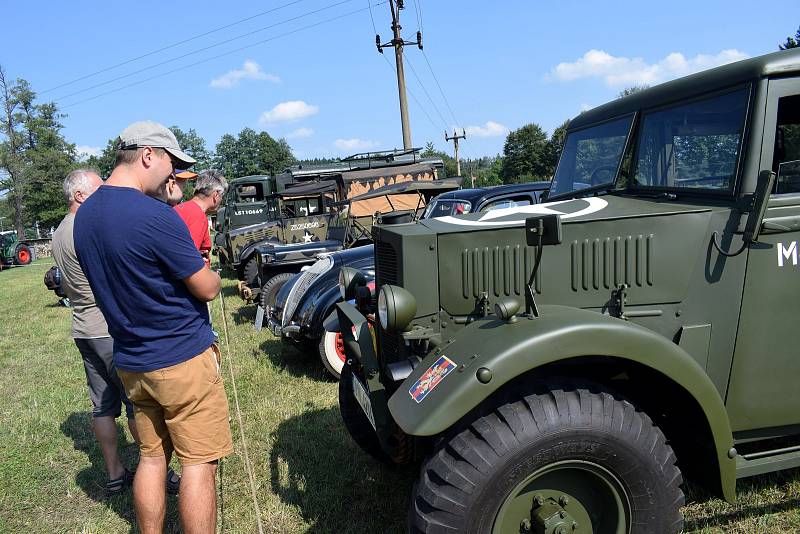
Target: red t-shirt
x=195, y=218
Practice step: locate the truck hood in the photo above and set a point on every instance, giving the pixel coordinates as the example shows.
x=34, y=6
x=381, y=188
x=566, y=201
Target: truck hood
x=577, y=210
x=651, y=246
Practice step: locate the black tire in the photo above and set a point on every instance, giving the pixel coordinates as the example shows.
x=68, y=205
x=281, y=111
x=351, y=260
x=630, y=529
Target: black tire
x=270, y=290
x=328, y=353
x=355, y=421
x=22, y=254
x=249, y=272
x=546, y=439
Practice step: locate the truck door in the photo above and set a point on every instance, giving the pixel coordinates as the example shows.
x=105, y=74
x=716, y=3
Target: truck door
x=764, y=390
x=303, y=220
x=250, y=206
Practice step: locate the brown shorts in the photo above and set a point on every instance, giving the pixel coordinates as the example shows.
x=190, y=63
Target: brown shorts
x=182, y=408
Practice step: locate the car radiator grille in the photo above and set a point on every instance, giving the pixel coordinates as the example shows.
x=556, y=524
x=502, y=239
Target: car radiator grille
x=301, y=286
x=388, y=346
x=385, y=264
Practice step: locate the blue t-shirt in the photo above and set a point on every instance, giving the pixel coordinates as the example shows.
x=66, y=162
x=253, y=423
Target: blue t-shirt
x=135, y=251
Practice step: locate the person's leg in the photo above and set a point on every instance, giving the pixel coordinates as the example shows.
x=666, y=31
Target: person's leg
x=105, y=402
x=197, y=503
x=105, y=430
x=149, y=499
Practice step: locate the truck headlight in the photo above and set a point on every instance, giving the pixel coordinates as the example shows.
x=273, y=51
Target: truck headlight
x=349, y=280
x=396, y=308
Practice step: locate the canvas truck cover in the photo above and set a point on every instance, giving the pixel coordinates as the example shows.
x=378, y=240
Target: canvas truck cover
x=358, y=183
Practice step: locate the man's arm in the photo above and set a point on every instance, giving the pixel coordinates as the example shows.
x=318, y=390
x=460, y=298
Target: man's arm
x=204, y=284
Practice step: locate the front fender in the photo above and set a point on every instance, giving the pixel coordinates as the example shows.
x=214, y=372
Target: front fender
x=509, y=350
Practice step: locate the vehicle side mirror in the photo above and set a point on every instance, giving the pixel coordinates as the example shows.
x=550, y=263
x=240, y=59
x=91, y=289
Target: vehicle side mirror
x=543, y=230
x=752, y=228
x=543, y=195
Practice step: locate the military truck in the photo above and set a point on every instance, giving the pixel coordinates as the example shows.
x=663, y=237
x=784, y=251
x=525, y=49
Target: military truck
x=13, y=251
x=562, y=367
x=294, y=207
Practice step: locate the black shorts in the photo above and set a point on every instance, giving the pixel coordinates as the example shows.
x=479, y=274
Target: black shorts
x=105, y=387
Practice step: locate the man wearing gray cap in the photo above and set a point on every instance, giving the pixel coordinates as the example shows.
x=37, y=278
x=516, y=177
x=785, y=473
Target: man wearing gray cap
x=152, y=285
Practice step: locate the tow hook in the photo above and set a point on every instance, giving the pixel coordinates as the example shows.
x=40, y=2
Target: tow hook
x=549, y=516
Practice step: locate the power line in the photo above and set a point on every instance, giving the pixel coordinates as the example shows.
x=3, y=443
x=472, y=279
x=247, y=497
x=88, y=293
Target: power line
x=374, y=29
x=178, y=43
x=297, y=30
x=440, y=88
x=389, y=64
x=414, y=72
x=419, y=14
x=199, y=50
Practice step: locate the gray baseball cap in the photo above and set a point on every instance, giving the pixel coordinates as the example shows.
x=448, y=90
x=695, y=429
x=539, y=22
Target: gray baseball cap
x=149, y=133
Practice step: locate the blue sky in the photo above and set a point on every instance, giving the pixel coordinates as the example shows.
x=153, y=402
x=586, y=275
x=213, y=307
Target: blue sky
x=327, y=90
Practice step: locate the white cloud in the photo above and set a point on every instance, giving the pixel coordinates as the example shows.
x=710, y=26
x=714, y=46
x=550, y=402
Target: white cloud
x=249, y=71
x=354, y=144
x=490, y=129
x=288, y=111
x=619, y=71
x=300, y=133
x=85, y=151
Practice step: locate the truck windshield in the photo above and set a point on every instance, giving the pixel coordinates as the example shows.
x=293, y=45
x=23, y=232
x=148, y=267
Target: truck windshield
x=591, y=156
x=691, y=146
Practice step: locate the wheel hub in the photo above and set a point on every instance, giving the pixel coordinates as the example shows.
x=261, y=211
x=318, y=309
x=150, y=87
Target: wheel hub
x=568, y=497
x=549, y=516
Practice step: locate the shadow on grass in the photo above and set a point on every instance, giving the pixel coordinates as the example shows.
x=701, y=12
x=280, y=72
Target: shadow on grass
x=315, y=466
x=92, y=479
x=295, y=359
x=740, y=512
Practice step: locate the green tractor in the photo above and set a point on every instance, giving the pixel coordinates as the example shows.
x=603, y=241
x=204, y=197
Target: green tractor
x=562, y=368
x=13, y=251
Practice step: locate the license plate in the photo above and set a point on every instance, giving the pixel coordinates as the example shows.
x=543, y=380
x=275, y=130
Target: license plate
x=362, y=397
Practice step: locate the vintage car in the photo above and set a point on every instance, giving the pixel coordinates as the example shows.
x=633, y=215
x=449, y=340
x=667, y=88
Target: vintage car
x=304, y=303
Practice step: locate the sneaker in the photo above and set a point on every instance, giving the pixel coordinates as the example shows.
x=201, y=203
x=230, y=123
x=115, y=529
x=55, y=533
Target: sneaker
x=173, y=482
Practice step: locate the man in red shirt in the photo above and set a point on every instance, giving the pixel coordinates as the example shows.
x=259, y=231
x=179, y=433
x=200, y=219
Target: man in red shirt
x=208, y=192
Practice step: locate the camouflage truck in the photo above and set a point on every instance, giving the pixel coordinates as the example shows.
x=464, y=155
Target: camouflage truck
x=561, y=367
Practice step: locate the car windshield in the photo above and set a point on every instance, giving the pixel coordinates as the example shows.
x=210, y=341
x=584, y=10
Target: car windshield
x=591, y=156
x=446, y=206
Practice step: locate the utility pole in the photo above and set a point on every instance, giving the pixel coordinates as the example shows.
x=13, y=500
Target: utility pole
x=398, y=43
x=455, y=139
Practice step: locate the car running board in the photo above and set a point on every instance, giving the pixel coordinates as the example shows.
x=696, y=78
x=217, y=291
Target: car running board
x=758, y=463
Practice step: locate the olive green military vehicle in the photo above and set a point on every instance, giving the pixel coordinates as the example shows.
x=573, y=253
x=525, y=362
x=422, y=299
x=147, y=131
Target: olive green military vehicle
x=561, y=367
x=260, y=208
x=285, y=218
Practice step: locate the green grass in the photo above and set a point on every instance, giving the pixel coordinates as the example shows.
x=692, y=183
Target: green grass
x=309, y=475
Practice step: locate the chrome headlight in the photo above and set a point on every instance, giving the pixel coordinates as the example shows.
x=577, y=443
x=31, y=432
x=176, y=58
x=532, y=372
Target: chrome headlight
x=349, y=280
x=396, y=308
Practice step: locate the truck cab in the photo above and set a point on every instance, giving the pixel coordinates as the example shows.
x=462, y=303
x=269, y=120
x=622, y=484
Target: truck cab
x=574, y=360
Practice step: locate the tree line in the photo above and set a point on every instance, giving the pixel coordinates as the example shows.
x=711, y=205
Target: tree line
x=35, y=156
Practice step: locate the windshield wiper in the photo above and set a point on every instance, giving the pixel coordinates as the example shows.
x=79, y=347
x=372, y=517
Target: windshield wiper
x=579, y=192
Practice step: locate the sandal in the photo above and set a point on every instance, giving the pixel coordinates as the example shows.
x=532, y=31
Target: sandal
x=173, y=482
x=116, y=486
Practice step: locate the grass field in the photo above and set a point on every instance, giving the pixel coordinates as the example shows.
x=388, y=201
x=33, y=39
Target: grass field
x=309, y=476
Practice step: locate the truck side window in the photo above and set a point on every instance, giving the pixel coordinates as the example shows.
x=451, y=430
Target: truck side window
x=250, y=193
x=787, y=145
